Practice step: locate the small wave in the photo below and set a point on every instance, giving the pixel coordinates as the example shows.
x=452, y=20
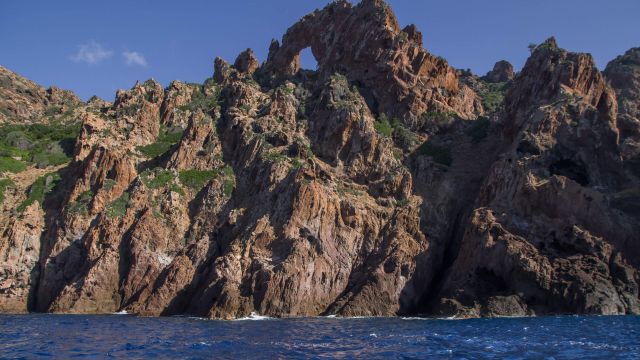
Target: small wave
x=431, y=318
x=254, y=316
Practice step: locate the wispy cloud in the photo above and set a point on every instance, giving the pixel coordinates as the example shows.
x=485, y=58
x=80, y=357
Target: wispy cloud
x=91, y=53
x=134, y=58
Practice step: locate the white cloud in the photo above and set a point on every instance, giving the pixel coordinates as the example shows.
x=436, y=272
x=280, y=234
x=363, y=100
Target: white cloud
x=134, y=58
x=91, y=53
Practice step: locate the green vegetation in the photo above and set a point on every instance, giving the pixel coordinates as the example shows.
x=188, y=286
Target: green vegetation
x=349, y=96
x=296, y=163
x=153, y=150
x=196, y=179
x=4, y=184
x=402, y=37
x=493, y=96
x=285, y=89
x=274, y=156
x=199, y=100
x=383, y=126
x=402, y=136
x=166, y=139
x=156, y=178
x=118, y=207
x=547, y=46
x=40, y=144
x=8, y=114
x=176, y=188
x=402, y=202
x=479, y=130
x=40, y=189
x=130, y=110
x=229, y=183
x=81, y=205
x=191, y=178
x=8, y=164
x=228, y=187
x=108, y=184
x=440, y=154
x=52, y=110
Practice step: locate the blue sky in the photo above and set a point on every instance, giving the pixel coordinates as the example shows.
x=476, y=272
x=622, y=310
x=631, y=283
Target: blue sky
x=96, y=47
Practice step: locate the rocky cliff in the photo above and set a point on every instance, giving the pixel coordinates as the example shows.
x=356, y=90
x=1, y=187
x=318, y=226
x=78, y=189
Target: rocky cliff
x=385, y=182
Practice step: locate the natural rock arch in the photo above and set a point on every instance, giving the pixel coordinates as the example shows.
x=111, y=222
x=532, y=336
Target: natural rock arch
x=365, y=42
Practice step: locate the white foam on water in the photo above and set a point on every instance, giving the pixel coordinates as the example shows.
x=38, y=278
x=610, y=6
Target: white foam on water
x=254, y=316
x=197, y=318
x=431, y=318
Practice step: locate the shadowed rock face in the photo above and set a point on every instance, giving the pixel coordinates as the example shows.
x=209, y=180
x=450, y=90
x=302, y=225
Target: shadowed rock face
x=543, y=237
x=623, y=74
x=350, y=190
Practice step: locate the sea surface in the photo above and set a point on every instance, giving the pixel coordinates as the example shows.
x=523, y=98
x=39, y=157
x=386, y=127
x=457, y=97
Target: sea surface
x=131, y=337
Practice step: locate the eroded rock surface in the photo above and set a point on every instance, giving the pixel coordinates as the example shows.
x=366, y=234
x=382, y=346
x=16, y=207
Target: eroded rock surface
x=544, y=237
x=383, y=183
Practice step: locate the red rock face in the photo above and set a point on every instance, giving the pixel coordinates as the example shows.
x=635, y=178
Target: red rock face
x=623, y=74
x=543, y=237
x=287, y=192
x=502, y=71
x=366, y=44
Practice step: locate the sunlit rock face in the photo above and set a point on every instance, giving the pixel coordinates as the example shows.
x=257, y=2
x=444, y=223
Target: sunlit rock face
x=384, y=182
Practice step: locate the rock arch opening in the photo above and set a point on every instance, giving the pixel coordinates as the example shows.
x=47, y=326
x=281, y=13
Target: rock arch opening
x=307, y=60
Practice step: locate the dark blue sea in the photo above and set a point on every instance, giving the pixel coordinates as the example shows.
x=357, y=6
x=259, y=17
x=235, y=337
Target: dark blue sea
x=130, y=337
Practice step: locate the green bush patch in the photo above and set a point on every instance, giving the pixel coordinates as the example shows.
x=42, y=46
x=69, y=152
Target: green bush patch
x=493, y=96
x=40, y=144
x=4, y=184
x=166, y=139
x=40, y=189
x=196, y=179
x=402, y=137
x=154, y=150
x=439, y=154
x=8, y=164
x=118, y=207
x=383, y=126
x=156, y=178
x=402, y=202
x=81, y=205
x=229, y=185
x=201, y=101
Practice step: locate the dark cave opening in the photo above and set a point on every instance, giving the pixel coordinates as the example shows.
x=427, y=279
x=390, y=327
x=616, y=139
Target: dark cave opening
x=570, y=169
